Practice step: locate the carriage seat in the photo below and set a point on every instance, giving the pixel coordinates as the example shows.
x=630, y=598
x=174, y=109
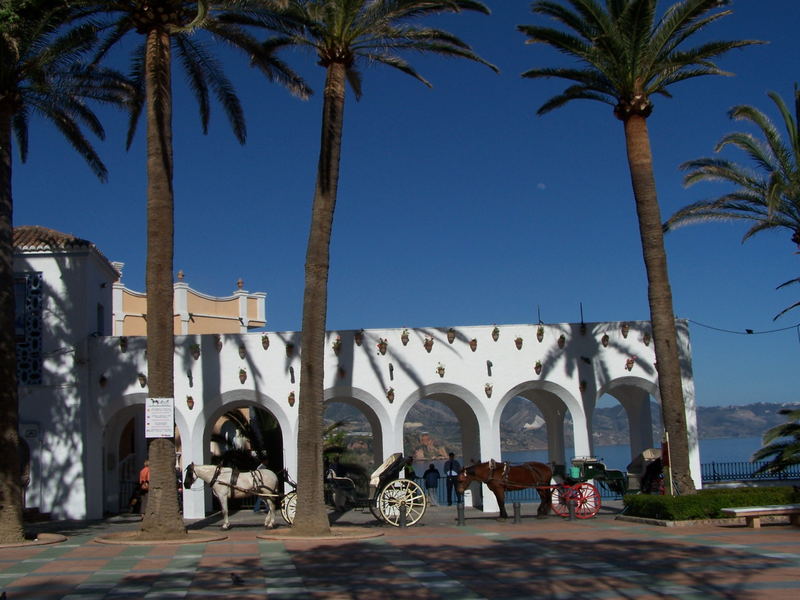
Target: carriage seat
x=340, y=483
x=388, y=470
x=638, y=467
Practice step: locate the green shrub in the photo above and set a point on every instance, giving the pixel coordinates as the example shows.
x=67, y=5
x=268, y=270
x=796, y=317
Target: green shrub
x=706, y=504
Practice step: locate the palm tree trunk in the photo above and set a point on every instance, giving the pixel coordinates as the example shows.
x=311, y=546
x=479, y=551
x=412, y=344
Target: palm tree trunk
x=162, y=518
x=311, y=518
x=11, y=528
x=662, y=316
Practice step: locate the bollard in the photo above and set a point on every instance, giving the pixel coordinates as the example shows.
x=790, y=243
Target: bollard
x=460, y=511
x=402, y=522
x=517, y=513
x=571, y=507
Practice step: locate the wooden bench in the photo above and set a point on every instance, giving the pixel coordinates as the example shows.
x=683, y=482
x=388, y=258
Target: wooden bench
x=752, y=514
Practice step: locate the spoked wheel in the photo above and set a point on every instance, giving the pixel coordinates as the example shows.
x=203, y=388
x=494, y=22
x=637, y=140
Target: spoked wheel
x=289, y=507
x=402, y=493
x=584, y=495
x=561, y=494
x=373, y=508
x=587, y=500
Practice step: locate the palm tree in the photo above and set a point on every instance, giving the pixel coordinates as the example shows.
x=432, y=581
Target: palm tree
x=782, y=442
x=344, y=34
x=627, y=54
x=39, y=74
x=165, y=25
x=767, y=195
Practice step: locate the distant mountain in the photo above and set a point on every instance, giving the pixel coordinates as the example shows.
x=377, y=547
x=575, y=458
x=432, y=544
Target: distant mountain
x=749, y=420
x=432, y=429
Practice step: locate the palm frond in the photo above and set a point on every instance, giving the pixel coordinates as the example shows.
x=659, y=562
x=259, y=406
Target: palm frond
x=622, y=40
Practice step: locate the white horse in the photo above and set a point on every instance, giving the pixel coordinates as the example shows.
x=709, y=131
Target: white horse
x=227, y=483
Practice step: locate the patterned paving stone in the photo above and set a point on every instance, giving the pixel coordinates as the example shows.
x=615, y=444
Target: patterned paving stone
x=596, y=559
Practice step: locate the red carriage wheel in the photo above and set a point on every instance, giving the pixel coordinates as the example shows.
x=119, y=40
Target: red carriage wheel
x=561, y=496
x=587, y=500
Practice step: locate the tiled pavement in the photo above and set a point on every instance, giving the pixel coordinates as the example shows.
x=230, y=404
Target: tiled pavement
x=550, y=558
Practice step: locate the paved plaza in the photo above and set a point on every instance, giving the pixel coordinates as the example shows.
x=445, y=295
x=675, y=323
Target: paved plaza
x=604, y=557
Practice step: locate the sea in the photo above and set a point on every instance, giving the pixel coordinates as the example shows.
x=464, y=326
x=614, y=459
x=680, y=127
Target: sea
x=618, y=457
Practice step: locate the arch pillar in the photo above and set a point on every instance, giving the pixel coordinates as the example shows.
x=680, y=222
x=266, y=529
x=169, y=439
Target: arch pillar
x=554, y=422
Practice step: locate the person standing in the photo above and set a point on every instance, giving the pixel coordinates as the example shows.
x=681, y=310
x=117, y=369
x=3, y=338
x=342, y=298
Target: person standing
x=431, y=477
x=144, y=485
x=451, y=469
x=408, y=469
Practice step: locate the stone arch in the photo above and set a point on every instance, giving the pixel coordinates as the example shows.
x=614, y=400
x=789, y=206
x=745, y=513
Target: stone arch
x=373, y=409
x=634, y=395
x=107, y=411
x=119, y=471
x=218, y=405
x=470, y=412
x=553, y=400
x=196, y=448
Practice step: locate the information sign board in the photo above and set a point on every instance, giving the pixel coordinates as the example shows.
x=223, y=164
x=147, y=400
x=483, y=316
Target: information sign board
x=159, y=418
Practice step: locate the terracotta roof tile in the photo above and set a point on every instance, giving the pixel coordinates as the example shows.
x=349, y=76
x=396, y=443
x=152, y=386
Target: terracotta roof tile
x=32, y=237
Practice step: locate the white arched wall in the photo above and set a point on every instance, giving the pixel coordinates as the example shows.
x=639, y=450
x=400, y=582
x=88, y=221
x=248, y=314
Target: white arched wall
x=634, y=394
x=581, y=363
x=474, y=422
x=470, y=412
x=541, y=393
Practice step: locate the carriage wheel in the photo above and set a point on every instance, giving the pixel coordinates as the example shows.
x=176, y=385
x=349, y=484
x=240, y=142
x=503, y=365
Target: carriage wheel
x=561, y=494
x=373, y=508
x=587, y=500
x=289, y=507
x=402, y=492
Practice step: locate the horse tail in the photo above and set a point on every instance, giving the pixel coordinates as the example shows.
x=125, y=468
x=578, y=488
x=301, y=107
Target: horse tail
x=190, y=476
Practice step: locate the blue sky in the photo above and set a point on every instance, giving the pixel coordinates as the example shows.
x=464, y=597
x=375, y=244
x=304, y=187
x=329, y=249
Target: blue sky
x=457, y=204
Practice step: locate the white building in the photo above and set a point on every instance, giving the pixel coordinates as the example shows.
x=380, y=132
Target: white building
x=82, y=391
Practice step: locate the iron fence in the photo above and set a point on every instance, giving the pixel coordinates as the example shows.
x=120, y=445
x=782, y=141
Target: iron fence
x=715, y=472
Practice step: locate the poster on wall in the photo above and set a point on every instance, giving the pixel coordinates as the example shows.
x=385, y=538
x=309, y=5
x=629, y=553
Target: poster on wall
x=159, y=418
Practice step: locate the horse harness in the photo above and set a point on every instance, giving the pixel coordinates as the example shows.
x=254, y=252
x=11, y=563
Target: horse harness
x=258, y=482
x=505, y=468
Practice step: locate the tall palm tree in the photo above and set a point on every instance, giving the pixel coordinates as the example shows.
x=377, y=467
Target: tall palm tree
x=627, y=53
x=345, y=34
x=40, y=74
x=767, y=194
x=164, y=25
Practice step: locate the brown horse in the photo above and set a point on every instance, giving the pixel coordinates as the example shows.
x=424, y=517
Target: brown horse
x=500, y=477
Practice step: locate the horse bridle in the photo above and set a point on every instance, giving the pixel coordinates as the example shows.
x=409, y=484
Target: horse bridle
x=214, y=477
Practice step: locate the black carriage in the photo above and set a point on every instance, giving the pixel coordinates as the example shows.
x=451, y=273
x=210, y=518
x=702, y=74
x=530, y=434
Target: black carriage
x=391, y=498
x=574, y=488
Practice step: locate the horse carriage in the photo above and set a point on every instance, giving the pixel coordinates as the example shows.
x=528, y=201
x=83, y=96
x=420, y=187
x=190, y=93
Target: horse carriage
x=391, y=499
x=573, y=493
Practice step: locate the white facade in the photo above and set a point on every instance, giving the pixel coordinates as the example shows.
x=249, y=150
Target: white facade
x=56, y=418
x=91, y=388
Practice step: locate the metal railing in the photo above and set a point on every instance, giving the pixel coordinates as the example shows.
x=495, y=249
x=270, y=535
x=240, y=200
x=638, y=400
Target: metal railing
x=715, y=472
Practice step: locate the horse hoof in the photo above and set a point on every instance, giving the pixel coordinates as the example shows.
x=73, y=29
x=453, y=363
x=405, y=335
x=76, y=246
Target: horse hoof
x=225, y=527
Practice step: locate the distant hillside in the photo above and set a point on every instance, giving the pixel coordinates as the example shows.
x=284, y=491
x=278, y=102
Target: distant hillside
x=432, y=429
